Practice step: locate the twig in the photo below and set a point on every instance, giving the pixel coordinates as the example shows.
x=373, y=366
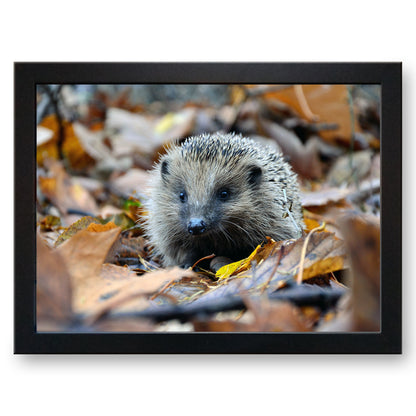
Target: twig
x=282, y=249
x=305, y=295
x=352, y=139
x=203, y=258
x=160, y=292
x=54, y=98
x=303, y=254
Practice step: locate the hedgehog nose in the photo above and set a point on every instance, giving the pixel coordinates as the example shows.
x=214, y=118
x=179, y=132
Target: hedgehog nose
x=196, y=226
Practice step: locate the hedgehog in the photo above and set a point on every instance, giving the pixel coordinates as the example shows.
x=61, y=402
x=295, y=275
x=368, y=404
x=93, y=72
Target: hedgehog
x=220, y=194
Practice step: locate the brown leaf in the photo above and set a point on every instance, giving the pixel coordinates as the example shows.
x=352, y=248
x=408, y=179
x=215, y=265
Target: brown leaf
x=323, y=196
x=71, y=147
x=84, y=254
x=134, y=182
x=136, y=133
x=64, y=192
x=124, y=325
x=92, y=142
x=277, y=316
x=324, y=254
x=303, y=158
x=92, y=293
x=53, y=288
x=280, y=263
x=350, y=169
x=263, y=316
x=130, y=287
x=329, y=103
x=126, y=248
x=362, y=236
x=79, y=225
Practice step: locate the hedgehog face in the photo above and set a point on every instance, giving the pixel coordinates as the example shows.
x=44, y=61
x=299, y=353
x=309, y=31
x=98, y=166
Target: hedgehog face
x=205, y=204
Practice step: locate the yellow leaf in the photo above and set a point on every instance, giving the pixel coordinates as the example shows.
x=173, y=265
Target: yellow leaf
x=165, y=123
x=236, y=267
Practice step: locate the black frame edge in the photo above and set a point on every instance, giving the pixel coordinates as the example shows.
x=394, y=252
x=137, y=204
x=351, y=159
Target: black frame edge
x=27, y=341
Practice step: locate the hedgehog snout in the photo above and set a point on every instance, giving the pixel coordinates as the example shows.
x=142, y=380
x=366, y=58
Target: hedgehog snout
x=196, y=226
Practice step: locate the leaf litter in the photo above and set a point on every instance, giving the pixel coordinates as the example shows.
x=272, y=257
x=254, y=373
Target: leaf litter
x=96, y=271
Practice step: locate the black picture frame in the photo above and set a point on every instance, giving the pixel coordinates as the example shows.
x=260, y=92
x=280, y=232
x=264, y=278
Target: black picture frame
x=28, y=341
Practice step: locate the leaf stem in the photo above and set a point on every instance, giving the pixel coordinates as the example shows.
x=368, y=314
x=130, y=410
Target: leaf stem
x=303, y=254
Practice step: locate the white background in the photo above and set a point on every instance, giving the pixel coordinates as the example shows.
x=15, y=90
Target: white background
x=206, y=31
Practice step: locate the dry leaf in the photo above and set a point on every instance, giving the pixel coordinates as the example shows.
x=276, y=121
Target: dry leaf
x=92, y=142
x=133, y=287
x=325, y=253
x=135, y=132
x=362, y=236
x=133, y=182
x=64, y=192
x=329, y=103
x=323, y=196
x=174, y=126
x=266, y=316
x=71, y=146
x=303, y=158
x=279, y=263
x=53, y=288
x=84, y=254
x=350, y=169
x=79, y=225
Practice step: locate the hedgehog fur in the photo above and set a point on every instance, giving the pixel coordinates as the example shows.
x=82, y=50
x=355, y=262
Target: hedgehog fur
x=220, y=194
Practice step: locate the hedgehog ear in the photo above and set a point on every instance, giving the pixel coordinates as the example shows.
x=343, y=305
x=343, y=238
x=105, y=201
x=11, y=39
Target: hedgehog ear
x=164, y=169
x=254, y=175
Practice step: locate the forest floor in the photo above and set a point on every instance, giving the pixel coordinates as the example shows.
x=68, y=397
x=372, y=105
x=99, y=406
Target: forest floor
x=95, y=270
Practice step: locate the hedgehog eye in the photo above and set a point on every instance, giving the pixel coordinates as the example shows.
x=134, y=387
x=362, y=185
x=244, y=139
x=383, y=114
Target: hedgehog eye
x=223, y=194
x=183, y=197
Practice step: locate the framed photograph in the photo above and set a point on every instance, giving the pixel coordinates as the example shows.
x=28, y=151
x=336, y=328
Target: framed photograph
x=227, y=208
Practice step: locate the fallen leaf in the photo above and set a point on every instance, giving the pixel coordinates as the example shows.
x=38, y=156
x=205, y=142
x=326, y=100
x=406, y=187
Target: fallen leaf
x=325, y=253
x=126, y=250
x=43, y=135
x=303, y=158
x=134, y=287
x=135, y=182
x=350, y=169
x=238, y=266
x=266, y=316
x=72, y=149
x=329, y=103
x=279, y=264
x=174, y=126
x=135, y=132
x=64, y=192
x=84, y=255
x=362, y=236
x=92, y=142
x=50, y=222
x=99, y=228
x=310, y=223
x=53, y=289
x=79, y=225
x=323, y=196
